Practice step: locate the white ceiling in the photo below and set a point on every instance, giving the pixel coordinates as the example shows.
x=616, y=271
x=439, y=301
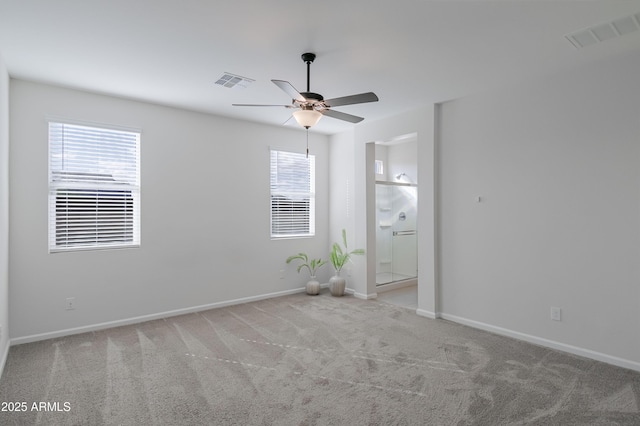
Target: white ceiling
x=409, y=52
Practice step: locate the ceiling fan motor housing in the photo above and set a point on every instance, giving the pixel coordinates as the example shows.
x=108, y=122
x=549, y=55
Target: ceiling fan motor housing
x=308, y=57
x=312, y=97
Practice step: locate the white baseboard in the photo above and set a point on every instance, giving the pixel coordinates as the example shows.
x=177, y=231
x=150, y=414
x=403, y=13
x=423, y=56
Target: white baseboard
x=587, y=353
x=427, y=314
x=143, y=318
x=365, y=296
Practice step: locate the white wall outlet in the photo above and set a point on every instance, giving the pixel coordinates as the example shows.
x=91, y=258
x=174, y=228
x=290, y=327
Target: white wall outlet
x=70, y=303
x=556, y=314
x=282, y=274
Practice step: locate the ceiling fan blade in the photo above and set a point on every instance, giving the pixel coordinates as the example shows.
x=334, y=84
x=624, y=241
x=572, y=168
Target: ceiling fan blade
x=262, y=105
x=289, y=90
x=342, y=116
x=360, y=98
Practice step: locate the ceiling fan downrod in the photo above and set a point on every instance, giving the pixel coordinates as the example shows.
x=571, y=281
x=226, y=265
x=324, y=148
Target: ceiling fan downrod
x=308, y=58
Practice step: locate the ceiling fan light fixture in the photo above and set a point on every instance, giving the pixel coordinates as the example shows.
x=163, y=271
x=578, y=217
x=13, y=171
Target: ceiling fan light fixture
x=307, y=117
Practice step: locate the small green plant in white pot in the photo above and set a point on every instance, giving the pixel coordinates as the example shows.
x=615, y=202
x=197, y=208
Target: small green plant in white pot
x=339, y=258
x=313, y=286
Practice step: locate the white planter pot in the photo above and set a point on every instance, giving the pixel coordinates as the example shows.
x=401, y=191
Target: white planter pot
x=313, y=286
x=337, y=285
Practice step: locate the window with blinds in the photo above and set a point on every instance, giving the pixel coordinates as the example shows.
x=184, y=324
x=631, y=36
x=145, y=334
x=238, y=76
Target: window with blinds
x=94, y=187
x=292, y=194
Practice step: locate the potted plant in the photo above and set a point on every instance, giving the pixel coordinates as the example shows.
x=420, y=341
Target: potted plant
x=313, y=286
x=338, y=258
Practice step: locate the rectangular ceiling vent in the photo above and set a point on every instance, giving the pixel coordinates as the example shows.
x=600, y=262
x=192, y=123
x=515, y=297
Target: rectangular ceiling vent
x=233, y=81
x=605, y=31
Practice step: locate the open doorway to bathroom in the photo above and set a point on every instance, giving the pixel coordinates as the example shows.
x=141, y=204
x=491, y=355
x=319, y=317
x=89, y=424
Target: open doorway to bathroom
x=396, y=213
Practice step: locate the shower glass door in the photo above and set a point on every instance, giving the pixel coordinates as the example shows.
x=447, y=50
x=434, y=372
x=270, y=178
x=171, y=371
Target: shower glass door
x=396, y=239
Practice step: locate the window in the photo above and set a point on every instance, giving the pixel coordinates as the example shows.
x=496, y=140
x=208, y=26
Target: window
x=379, y=167
x=94, y=187
x=292, y=194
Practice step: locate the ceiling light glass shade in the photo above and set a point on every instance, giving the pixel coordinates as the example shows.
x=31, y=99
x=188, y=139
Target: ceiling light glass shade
x=307, y=117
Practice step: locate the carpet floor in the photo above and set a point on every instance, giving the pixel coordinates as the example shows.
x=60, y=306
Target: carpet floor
x=303, y=360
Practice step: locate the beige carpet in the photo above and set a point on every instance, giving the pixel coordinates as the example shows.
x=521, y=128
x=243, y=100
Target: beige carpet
x=305, y=360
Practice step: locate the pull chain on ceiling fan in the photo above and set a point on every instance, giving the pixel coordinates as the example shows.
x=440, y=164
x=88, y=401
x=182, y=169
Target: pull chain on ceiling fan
x=312, y=106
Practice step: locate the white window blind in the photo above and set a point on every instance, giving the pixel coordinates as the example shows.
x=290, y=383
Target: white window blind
x=94, y=187
x=292, y=194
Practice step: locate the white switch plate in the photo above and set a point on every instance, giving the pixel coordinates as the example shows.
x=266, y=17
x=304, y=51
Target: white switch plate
x=70, y=303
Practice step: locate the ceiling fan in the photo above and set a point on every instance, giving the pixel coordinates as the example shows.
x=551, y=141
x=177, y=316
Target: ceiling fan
x=312, y=106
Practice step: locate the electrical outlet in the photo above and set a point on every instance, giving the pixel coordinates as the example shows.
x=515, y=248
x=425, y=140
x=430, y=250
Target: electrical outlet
x=556, y=314
x=282, y=274
x=71, y=303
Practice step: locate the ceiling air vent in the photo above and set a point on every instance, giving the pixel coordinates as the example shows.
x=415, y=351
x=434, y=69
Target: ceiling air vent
x=233, y=81
x=605, y=31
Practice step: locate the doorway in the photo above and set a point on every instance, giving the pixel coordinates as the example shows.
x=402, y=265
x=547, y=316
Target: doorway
x=396, y=203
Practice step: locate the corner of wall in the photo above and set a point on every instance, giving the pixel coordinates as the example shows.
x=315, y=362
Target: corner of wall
x=4, y=213
x=340, y=184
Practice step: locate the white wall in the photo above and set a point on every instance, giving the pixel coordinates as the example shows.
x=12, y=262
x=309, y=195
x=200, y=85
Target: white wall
x=4, y=213
x=398, y=157
x=402, y=158
x=557, y=164
x=341, y=196
x=204, y=206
